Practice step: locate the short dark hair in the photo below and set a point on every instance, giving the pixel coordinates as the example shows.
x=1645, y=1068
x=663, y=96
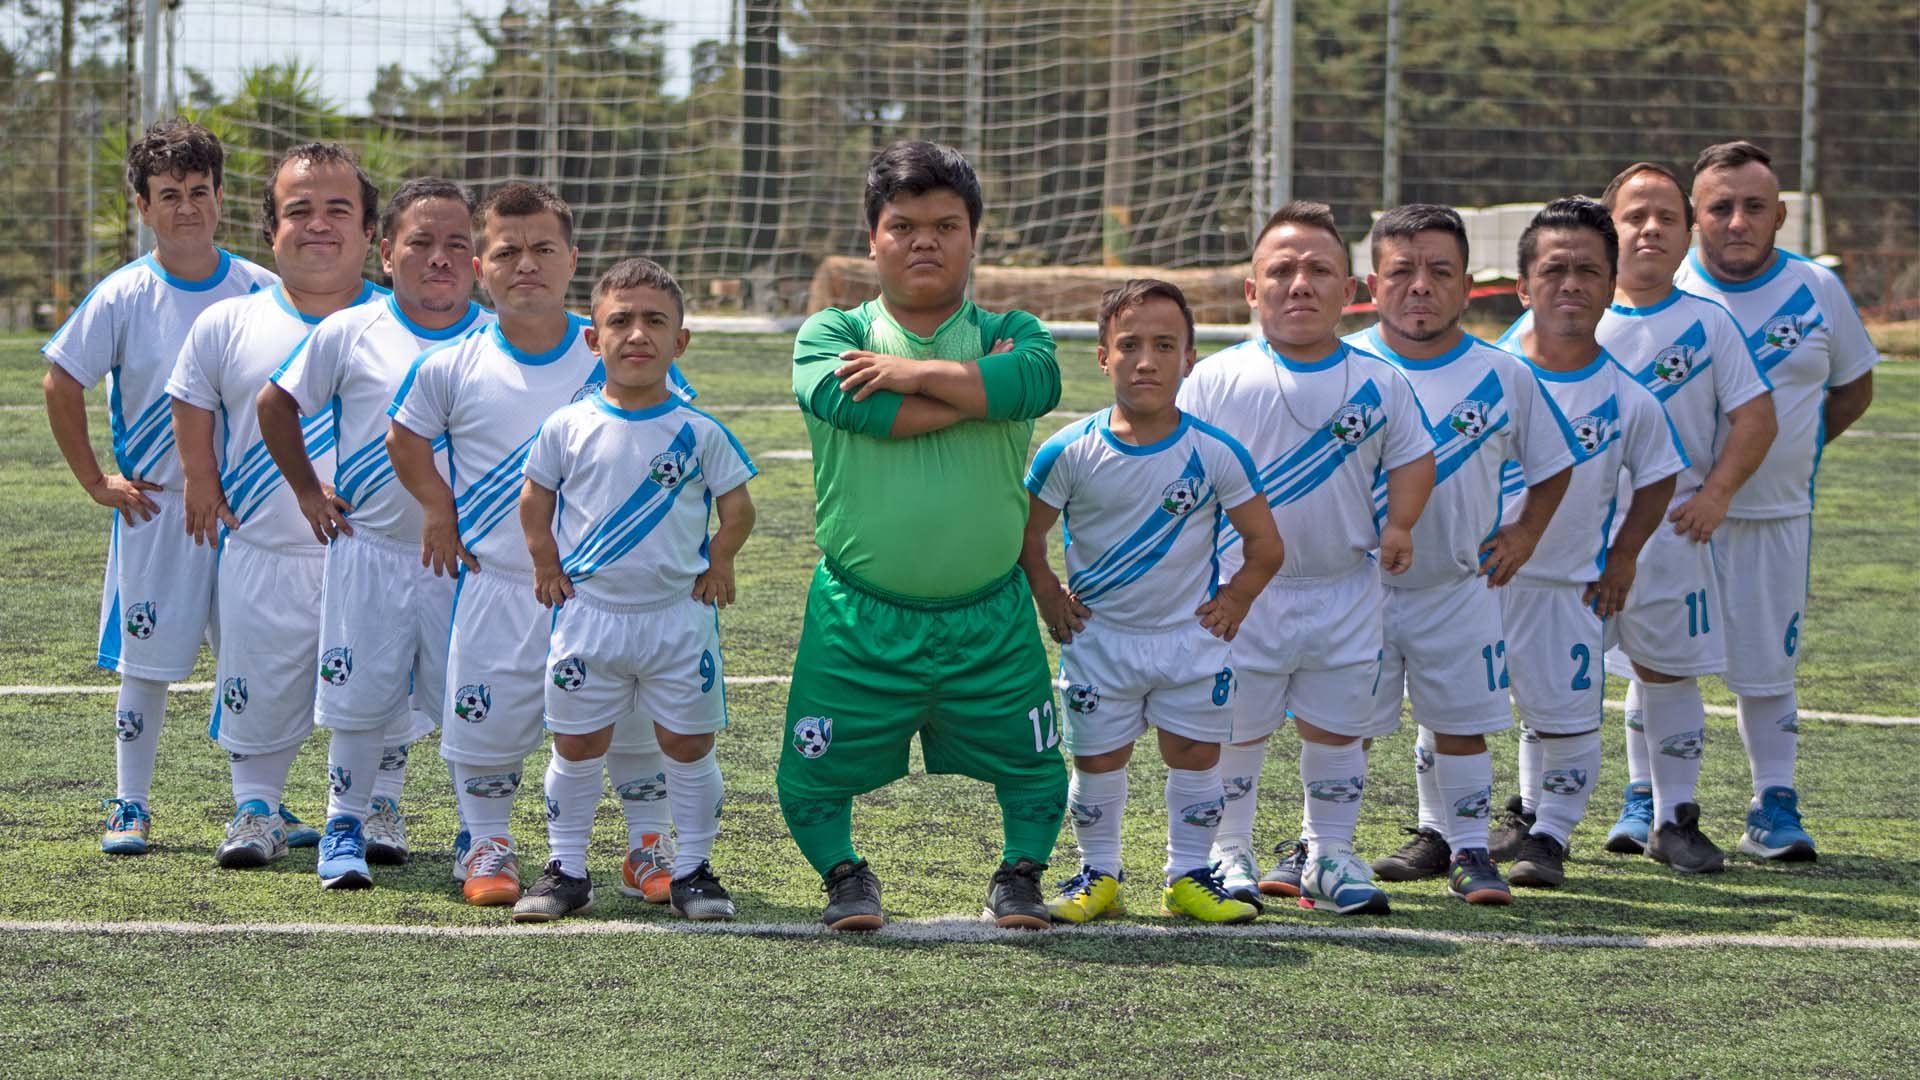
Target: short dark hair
x=317, y=154
x=1611, y=196
x=1572, y=212
x=1405, y=222
x=915, y=168
x=419, y=190
x=1135, y=292
x=1312, y=215
x=174, y=147
x=523, y=200
x=1730, y=155
x=634, y=274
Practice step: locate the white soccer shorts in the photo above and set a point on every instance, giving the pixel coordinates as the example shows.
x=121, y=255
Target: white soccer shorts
x=1445, y=646
x=1673, y=622
x=635, y=665
x=1117, y=682
x=1312, y=647
x=496, y=663
x=1763, y=569
x=157, y=598
x=269, y=601
x=1555, y=656
x=384, y=621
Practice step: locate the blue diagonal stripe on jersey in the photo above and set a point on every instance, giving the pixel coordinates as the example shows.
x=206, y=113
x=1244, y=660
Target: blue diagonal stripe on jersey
x=258, y=477
x=1453, y=448
x=1297, y=473
x=1694, y=340
x=1511, y=480
x=364, y=471
x=618, y=533
x=1127, y=561
x=135, y=444
x=488, y=499
x=1767, y=356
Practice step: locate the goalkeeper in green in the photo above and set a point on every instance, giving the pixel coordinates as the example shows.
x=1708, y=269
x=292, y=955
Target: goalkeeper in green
x=919, y=407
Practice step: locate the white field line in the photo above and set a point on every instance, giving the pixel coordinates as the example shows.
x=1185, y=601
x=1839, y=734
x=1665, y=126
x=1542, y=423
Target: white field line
x=782, y=680
x=959, y=930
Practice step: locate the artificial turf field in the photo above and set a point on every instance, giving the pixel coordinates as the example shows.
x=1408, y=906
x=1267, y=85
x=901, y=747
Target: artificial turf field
x=1627, y=970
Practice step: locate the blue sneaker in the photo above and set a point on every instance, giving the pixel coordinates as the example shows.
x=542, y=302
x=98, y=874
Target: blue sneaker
x=1773, y=828
x=1629, y=835
x=299, y=833
x=1338, y=881
x=343, y=855
x=462, y=848
x=126, y=828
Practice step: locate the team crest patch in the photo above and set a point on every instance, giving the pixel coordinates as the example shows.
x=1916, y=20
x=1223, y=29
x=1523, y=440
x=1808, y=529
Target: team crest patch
x=494, y=786
x=1337, y=791
x=339, y=780
x=1422, y=759
x=645, y=789
x=393, y=759
x=471, y=702
x=1082, y=698
x=336, y=666
x=1470, y=418
x=553, y=809
x=1084, y=815
x=1350, y=422
x=1673, y=364
x=1204, y=814
x=1687, y=744
x=128, y=724
x=1565, y=781
x=1181, y=496
x=1783, y=332
x=812, y=735
x=1592, y=432
x=1789, y=723
x=1236, y=787
x=141, y=620
x=587, y=391
x=1635, y=720
x=570, y=674
x=233, y=694
x=1477, y=805
x=668, y=469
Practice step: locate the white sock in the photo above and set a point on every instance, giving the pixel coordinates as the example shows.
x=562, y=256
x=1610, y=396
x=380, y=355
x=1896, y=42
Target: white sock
x=1332, y=778
x=1531, y=766
x=695, y=792
x=1095, y=804
x=1570, y=767
x=1433, y=812
x=1195, y=802
x=1676, y=731
x=1240, y=782
x=639, y=778
x=262, y=776
x=137, y=718
x=459, y=805
x=1770, y=726
x=391, y=780
x=573, y=794
x=1639, y=767
x=485, y=793
x=353, y=757
x=1465, y=784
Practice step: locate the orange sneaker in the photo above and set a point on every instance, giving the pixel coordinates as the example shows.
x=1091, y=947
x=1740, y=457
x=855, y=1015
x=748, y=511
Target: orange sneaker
x=493, y=873
x=648, y=871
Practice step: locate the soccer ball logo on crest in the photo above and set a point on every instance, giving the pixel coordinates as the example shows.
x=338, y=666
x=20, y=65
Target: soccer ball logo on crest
x=1206, y=815
x=1181, y=496
x=339, y=780
x=140, y=620
x=812, y=735
x=128, y=724
x=570, y=674
x=1673, y=364
x=1591, y=433
x=336, y=665
x=1082, y=698
x=1422, y=759
x=1474, y=806
x=1350, y=422
x=1337, y=791
x=668, y=469
x=1084, y=815
x=1470, y=418
x=1687, y=744
x=1565, y=781
x=233, y=694
x=587, y=391
x=1783, y=332
x=553, y=809
x=646, y=789
x=496, y=786
x=471, y=702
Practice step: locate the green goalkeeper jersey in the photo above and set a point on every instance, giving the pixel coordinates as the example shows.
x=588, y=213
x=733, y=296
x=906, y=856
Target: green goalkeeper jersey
x=931, y=516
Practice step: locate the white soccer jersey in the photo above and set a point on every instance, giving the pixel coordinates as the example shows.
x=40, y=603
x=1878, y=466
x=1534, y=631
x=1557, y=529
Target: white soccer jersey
x=1484, y=407
x=129, y=330
x=233, y=349
x=1624, y=443
x=1319, y=434
x=352, y=364
x=1142, y=522
x=1806, y=336
x=635, y=487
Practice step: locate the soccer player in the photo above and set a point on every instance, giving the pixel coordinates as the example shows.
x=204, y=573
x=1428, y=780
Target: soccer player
x=634, y=582
x=1444, y=642
x=383, y=616
x=487, y=393
x=158, y=594
x=319, y=217
x=1143, y=626
x=919, y=407
x=1322, y=420
x=1556, y=607
x=1810, y=344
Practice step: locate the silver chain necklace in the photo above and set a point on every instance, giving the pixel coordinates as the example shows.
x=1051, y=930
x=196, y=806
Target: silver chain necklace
x=1346, y=387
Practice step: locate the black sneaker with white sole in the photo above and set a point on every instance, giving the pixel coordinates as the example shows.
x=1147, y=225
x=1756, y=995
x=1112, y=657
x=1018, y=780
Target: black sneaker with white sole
x=1508, y=831
x=700, y=896
x=1681, y=845
x=555, y=896
x=1426, y=854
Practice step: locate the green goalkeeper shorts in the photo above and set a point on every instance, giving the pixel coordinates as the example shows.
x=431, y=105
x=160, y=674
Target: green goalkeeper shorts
x=969, y=675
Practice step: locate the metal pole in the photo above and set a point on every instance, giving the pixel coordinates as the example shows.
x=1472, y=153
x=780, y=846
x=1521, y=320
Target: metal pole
x=149, y=64
x=976, y=105
x=550, y=167
x=1390, y=114
x=130, y=239
x=1116, y=232
x=1280, y=166
x=173, y=38
x=1262, y=134
x=1810, y=128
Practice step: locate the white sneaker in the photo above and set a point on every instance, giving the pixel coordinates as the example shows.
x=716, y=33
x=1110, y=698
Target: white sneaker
x=254, y=838
x=386, y=834
x=1238, y=871
x=1337, y=880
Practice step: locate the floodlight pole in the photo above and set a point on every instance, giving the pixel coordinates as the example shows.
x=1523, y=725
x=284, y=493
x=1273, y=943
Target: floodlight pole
x=1390, y=114
x=1810, y=126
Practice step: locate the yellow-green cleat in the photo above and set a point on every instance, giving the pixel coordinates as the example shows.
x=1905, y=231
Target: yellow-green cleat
x=1198, y=895
x=1086, y=896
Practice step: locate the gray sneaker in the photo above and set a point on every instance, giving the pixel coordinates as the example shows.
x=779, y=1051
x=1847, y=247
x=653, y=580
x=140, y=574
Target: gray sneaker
x=1542, y=863
x=1014, y=901
x=1509, y=831
x=1683, y=846
x=1289, y=862
x=853, y=897
x=554, y=896
x=1424, y=855
x=386, y=834
x=700, y=896
x=254, y=838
